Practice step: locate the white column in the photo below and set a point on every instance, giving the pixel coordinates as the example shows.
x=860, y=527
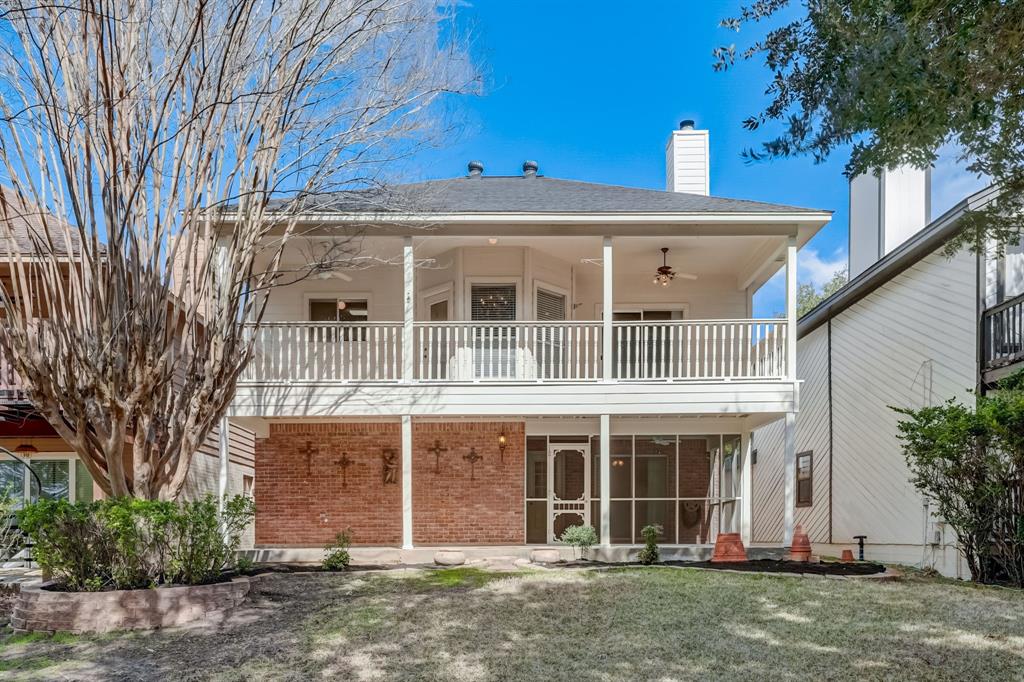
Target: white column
x=409, y=271
x=607, y=306
x=789, y=480
x=791, y=309
x=406, y=482
x=606, y=481
x=746, y=490
x=223, y=451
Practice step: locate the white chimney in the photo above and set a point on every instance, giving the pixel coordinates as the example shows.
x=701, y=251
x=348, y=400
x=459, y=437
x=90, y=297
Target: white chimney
x=687, y=166
x=885, y=211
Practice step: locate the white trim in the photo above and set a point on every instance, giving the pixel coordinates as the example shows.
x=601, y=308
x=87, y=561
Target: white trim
x=684, y=308
x=467, y=299
x=676, y=218
x=407, y=482
x=587, y=497
x=428, y=297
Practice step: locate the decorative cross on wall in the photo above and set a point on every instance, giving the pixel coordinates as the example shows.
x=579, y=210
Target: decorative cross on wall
x=473, y=457
x=437, y=450
x=345, y=462
x=309, y=451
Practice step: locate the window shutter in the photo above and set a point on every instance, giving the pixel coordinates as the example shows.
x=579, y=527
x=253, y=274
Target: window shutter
x=493, y=302
x=550, y=306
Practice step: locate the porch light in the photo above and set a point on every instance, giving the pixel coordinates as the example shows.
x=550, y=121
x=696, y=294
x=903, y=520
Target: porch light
x=502, y=444
x=26, y=449
x=342, y=305
x=618, y=462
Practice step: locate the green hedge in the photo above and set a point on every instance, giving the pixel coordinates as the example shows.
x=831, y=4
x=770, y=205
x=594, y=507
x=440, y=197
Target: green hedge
x=127, y=543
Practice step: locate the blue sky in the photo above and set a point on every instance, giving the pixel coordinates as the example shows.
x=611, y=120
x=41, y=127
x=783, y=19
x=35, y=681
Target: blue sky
x=592, y=90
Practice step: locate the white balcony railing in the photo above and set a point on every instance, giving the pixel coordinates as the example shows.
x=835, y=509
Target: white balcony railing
x=520, y=351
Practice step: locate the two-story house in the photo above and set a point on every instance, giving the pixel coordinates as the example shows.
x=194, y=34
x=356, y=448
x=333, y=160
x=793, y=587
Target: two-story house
x=512, y=355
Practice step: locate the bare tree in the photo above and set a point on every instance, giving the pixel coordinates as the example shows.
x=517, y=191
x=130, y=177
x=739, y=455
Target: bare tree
x=159, y=154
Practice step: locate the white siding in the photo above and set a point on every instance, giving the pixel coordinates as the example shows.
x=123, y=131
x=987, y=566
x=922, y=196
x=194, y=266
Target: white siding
x=812, y=435
x=687, y=162
x=909, y=343
x=205, y=469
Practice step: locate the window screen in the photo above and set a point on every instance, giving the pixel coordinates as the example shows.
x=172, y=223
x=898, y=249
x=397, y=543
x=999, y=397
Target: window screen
x=493, y=302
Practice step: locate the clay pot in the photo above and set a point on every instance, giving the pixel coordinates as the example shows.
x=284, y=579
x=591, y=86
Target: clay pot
x=728, y=548
x=801, y=548
x=847, y=555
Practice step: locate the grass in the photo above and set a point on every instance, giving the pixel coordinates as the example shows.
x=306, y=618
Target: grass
x=636, y=623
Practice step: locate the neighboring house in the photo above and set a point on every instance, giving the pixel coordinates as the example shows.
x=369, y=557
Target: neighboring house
x=63, y=476
x=510, y=356
x=904, y=332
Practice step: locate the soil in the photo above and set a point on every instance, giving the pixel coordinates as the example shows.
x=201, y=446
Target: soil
x=755, y=566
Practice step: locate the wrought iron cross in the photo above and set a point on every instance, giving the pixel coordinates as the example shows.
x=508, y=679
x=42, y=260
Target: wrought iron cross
x=345, y=462
x=473, y=457
x=437, y=450
x=309, y=451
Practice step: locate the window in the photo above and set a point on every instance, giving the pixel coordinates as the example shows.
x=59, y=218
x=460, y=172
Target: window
x=352, y=310
x=247, y=482
x=495, y=344
x=804, y=479
x=61, y=479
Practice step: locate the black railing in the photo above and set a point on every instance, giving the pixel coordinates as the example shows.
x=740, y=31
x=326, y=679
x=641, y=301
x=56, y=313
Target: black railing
x=1003, y=333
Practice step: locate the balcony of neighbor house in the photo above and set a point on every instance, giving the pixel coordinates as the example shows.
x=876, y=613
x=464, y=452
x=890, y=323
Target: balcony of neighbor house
x=520, y=325
x=1002, y=339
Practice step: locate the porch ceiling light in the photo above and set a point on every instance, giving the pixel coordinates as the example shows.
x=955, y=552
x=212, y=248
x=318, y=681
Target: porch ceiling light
x=26, y=449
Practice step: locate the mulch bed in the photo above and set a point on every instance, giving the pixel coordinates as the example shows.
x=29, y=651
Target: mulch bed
x=755, y=566
x=777, y=566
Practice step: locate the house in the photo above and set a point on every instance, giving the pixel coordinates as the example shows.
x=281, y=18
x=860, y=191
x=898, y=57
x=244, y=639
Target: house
x=509, y=356
x=912, y=328
x=35, y=460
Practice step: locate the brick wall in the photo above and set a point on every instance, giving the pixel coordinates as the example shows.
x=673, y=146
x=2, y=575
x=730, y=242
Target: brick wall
x=460, y=504
x=304, y=502
x=694, y=476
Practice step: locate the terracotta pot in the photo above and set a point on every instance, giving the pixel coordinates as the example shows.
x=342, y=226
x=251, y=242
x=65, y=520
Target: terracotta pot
x=801, y=548
x=728, y=548
x=847, y=555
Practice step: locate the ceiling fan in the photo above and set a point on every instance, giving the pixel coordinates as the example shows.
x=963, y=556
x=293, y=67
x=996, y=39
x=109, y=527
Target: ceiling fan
x=334, y=274
x=665, y=274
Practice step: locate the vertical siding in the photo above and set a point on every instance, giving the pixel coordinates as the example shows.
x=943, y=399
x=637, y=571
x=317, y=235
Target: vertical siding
x=909, y=343
x=205, y=469
x=811, y=434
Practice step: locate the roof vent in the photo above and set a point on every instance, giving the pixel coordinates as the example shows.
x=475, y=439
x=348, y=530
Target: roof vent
x=476, y=169
x=530, y=169
x=686, y=124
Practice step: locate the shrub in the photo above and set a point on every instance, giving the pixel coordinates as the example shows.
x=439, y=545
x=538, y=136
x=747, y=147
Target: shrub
x=336, y=556
x=244, y=565
x=127, y=543
x=969, y=460
x=580, y=538
x=649, y=554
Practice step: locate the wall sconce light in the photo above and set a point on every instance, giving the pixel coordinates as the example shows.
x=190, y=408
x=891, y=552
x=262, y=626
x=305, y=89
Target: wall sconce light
x=502, y=444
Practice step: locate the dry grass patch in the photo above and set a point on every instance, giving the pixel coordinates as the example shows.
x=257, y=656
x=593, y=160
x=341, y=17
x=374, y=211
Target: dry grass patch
x=662, y=623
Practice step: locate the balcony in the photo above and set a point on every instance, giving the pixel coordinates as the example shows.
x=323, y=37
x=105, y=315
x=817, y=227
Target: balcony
x=1002, y=329
x=519, y=352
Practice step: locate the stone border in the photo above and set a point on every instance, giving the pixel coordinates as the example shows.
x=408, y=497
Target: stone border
x=41, y=610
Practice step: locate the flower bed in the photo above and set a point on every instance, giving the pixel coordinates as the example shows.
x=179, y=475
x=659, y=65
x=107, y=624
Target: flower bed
x=39, y=609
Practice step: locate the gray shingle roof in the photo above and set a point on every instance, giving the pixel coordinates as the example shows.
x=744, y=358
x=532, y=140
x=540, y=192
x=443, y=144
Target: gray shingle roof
x=29, y=222
x=517, y=194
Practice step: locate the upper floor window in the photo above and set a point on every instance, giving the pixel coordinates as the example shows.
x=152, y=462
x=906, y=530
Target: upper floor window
x=804, y=479
x=339, y=310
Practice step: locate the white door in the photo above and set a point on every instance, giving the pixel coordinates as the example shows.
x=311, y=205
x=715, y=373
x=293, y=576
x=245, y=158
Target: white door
x=568, y=487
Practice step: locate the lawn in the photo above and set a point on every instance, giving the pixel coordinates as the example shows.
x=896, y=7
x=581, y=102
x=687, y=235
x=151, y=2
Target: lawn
x=659, y=623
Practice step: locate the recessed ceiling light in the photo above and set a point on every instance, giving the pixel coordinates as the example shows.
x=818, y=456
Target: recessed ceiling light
x=492, y=241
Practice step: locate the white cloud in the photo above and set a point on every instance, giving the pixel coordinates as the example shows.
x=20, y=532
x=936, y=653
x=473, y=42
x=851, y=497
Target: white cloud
x=951, y=182
x=814, y=268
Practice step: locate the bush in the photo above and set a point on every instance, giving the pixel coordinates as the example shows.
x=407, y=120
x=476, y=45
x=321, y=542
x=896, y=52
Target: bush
x=581, y=538
x=336, y=556
x=969, y=460
x=127, y=543
x=649, y=554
